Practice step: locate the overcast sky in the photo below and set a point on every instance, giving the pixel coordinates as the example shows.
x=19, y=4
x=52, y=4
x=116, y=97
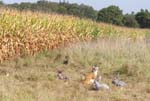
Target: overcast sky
x=126, y=5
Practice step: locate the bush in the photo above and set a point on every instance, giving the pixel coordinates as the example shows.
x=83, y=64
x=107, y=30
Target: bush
x=111, y=14
x=130, y=21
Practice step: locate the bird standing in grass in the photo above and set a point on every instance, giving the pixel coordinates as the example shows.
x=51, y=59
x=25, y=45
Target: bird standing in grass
x=97, y=85
x=117, y=82
x=61, y=76
x=66, y=60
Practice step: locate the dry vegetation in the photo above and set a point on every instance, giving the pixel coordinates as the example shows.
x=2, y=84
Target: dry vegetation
x=34, y=78
x=28, y=38
x=27, y=33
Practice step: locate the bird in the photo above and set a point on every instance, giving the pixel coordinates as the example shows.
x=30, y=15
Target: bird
x=97, y=84
x=66, y=60
x=117, y=82
x=61, y=76
x=89, y=78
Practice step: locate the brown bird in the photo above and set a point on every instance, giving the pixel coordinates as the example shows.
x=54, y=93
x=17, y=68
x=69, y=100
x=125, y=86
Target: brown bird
x=66, y=60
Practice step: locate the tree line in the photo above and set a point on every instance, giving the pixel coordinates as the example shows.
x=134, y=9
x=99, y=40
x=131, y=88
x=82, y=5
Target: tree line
x=112, y=14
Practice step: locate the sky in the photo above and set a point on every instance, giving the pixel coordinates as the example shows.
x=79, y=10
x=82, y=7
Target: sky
x=126, y=5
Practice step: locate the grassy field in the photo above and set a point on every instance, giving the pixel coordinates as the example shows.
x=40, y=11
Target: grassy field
x=34, y=78
x=33, y=46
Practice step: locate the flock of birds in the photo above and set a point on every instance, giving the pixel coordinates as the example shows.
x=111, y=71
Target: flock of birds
x=93, y=79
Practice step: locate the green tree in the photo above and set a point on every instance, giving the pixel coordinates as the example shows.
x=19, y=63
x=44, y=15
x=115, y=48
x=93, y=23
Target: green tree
x=130, y=21
x=62, y=10
x=111, y=14
x=1, y=3
x=88, y=11
x=143, y=18
x=25, y=6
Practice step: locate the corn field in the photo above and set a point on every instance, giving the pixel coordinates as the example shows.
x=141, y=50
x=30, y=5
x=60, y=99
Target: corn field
x=28, y=33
